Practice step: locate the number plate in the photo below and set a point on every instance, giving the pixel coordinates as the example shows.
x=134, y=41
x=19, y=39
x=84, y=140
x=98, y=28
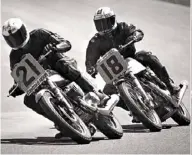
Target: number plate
x=29, y=74
x=111, y=65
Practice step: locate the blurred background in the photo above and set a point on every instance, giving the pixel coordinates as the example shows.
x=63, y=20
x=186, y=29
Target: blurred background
x=166, y=28
x=182, y=2
x=166, y=24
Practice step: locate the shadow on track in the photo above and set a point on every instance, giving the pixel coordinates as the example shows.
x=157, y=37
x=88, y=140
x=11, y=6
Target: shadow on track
x=44, y=141
x=139, y=128
x=132, y=128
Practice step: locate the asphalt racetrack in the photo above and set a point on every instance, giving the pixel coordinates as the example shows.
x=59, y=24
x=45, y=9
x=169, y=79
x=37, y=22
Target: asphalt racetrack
x=167, y=35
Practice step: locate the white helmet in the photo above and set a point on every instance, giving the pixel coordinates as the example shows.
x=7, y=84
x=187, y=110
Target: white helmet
x=105, y=19
x=15, y=33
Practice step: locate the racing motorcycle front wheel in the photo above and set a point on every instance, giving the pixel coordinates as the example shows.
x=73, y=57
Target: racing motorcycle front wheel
x=109, y=126
x=68, y=122
x=182, y=116
x=133, y=99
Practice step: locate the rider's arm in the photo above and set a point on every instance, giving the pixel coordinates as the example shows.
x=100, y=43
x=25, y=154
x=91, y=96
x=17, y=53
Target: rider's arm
x=130, y=32
x=13, y=60
x=50, y=37
x=92, y=54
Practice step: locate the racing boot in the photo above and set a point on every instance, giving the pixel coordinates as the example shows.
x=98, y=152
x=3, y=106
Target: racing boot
x=92, y=128
x=174, y=89
x=134, y=119
x=60, y=134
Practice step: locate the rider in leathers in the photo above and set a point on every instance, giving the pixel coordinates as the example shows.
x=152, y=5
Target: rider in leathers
x=112, y=34
x=38, y=42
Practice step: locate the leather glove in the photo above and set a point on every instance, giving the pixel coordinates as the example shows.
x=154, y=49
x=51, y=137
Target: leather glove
x=138, y=35
x=16, y=92
x=50, y=47
x=92, y=71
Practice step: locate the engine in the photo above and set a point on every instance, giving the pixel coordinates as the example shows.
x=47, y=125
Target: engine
x=73, y=91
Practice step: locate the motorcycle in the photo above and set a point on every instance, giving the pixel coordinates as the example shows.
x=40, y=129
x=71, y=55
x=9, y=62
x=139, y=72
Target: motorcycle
x=66, y=104
x=142, y=92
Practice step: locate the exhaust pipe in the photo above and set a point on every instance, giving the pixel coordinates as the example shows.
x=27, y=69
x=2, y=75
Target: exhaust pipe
x=92, y=100
x=111, y=103
x=183, y=86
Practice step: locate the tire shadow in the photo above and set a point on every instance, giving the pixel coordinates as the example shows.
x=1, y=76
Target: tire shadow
x=139, y=128
x=45, y=141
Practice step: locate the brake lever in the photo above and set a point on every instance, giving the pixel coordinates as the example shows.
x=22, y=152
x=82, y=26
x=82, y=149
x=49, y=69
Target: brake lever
x=43, y=57
x=133, y=40
x=129, y=43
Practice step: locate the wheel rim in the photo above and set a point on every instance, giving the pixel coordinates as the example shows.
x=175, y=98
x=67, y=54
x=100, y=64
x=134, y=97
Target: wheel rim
x=134, y=95
x=70, y=119
x=110, y=122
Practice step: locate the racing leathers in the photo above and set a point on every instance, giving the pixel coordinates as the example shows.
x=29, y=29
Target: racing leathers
x=42, y=41
x=122, y=34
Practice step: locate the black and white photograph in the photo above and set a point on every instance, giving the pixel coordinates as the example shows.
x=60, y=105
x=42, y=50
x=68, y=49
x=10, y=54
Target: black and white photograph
x=96, y=76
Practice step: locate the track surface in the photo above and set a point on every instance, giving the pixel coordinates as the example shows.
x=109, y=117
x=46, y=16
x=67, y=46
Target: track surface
x=166, y=28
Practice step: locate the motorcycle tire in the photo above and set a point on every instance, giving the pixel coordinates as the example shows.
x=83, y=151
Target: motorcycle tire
x=49, y=107
x=109, y=126
x=153, y=125
x=182, y=116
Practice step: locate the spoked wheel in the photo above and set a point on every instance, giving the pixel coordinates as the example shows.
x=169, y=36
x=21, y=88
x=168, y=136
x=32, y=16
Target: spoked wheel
x=137, y=106
x=109, y=126
x=182, y=116
x=68, y=122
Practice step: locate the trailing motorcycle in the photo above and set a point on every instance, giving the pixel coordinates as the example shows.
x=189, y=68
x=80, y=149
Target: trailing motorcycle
x=143, y=93
x=66, y=104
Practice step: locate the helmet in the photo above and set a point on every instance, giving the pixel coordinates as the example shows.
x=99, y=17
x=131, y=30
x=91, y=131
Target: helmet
x=105, y=20
x=15, y=33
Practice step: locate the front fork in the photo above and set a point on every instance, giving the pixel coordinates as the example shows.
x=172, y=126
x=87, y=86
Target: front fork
x=140, y=89
x=59, y=95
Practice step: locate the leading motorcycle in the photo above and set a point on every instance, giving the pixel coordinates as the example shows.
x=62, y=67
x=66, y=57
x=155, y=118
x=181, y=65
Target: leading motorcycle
x=65, y=104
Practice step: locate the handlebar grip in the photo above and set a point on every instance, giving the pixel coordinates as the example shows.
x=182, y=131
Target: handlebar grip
x=12, y=91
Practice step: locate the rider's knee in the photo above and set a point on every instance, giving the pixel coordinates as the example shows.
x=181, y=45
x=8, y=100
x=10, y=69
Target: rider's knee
x=68, y=69
x=30, y=102
x=147, y=56
x=109, y=89
x=143, y=55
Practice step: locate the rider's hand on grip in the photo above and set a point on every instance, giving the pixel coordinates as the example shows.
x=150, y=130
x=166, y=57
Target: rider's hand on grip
x=15, y=92
x=50, y=47
x=120, y=47
x=92, y=71
x=138, y=35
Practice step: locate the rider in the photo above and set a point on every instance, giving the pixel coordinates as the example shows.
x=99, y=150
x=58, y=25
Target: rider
x=36, y=43
x=113, y=34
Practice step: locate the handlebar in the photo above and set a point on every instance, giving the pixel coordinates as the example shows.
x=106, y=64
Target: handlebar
x=135, y=39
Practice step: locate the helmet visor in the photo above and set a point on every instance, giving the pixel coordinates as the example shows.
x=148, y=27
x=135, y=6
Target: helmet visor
x=104, y=24
x=16, y=39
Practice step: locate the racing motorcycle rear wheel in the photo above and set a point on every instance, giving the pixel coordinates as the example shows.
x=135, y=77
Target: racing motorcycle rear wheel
x=109, y=126
x=182, y=116
x=149, y=118
x=68, y=122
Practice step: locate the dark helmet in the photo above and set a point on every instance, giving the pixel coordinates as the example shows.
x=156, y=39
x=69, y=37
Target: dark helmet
x=15, y=33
